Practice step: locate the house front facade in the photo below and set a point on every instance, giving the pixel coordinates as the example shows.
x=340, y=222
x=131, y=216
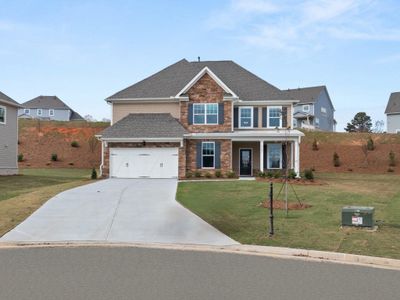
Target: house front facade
x=315, y=110
x=393, y=113
x=200, y=118
x=8, y=135
x=48, y=108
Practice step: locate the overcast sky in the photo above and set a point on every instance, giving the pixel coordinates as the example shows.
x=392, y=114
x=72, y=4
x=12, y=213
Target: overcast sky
x=84, y=51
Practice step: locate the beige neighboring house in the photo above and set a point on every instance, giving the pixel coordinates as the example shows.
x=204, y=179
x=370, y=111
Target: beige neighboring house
x=208, y=117
x=8, y=135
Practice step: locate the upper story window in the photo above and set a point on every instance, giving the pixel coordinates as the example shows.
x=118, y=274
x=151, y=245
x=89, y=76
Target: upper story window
x=205, y=113
x=274, y=116
x=51, y=112
x=208, y=155
x=3, y=112
x=306, y=108
x=39, y=112
x=27, y=111
x=323, y=110
x=245, y=117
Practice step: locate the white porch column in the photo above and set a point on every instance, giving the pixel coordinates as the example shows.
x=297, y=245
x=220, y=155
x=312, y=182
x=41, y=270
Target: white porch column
x=261, y=156
x=297, y=157
x=291, y=155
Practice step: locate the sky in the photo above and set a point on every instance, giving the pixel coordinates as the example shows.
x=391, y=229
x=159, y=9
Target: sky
x=84, y=51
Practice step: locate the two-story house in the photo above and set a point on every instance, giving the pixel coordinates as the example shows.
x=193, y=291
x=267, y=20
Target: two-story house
x=8, y=135
x=48, y=108
x=315, y=110
x=393, y=113
x=199, y=117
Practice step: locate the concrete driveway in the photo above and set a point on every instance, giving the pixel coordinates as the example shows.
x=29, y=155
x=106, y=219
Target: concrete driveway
x=118, y=210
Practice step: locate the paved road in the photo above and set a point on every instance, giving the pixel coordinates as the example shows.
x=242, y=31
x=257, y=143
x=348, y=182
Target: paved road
x=139, y=273
x=118, y=210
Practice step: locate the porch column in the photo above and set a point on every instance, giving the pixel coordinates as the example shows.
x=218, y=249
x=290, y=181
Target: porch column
x=297, y=157
x=261, y=156
x=291, y=155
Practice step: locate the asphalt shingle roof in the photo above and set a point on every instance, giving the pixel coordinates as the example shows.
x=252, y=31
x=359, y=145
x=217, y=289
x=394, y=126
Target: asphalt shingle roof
x=305, y=95
x=7, y=99
x=169, y=81
x=52, y=102
x=393, y=105
x=142, y=125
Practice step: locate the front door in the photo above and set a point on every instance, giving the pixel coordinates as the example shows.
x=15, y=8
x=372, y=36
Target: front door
x=245, y=163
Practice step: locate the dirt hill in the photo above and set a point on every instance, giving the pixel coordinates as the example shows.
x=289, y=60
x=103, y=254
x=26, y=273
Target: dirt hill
x=39, y=140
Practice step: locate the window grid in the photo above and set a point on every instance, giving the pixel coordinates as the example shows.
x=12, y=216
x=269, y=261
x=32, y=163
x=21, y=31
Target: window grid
x=51, y=112
x=245, y=117
x=208, y=155
x=206, y=114
x=2, y=114
x=274, y=156
x=274, y=117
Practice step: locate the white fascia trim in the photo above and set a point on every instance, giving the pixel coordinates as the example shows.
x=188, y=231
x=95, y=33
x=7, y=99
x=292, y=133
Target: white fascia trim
x=138, y=100
x=248, y=134
x=6, y=102
x=265, y=102
x=213, y=76
x=144, y=139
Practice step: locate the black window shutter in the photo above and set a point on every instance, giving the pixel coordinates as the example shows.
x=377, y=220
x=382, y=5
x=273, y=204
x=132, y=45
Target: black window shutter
x=190, y=113
x=236, y=117
x=264, y=117
x=284, y=156
x=265, y=156
x=221, y=113
x=255, y=117
x=198, y=155
x=218, y=155
x=284, y=117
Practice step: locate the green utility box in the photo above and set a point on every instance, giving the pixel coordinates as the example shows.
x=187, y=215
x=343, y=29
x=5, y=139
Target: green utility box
x=362, y=216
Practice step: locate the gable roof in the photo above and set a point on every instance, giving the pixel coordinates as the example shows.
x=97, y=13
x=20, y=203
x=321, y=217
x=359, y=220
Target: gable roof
x=168, y=82
x=52, y=102
x=393, y=105
x=307, y=94
x=8, y=100
x=143, y=125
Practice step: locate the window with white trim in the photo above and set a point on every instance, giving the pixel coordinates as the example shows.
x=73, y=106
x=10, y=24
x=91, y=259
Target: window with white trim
x=274, y=116
x=274, y=156
x=306, y=108
x=3, y=112
x=208, y=155
x=316, y=122
x=51, y=112
x=205, y=113
x=27, y=111
x=245, y=117
x=39, y=112
x=323, y=110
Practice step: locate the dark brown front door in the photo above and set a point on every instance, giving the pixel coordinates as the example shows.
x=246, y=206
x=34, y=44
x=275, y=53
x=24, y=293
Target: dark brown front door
x=245, y=162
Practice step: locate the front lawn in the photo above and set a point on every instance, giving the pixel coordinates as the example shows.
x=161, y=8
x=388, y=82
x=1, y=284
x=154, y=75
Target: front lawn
x=233, y=208
x=21, y=195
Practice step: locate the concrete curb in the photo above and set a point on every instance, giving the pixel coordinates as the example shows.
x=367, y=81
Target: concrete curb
x=277, y=252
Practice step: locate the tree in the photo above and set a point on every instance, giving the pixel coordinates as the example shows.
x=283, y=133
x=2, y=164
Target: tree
x=379, y=126
x=89, y=118
x=360, y=123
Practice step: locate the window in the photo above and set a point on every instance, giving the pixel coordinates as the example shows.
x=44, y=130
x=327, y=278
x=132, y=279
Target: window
x=27, y=111
x=306, y=108
x=323, y=110
x=274, y=156
x=3, y=112
x=274, y=116
x=39, y=112
x=316, y=122
x=51, y=112
x=245, y=117
x=205, y=113
x=208, y=155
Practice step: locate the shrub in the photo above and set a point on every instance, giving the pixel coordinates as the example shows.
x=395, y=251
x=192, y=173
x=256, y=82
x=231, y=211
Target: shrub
x=308, y=174
x=71, y=163
x=336, y=159
x=392, y=159
x=292, y=174
x=189, y=174
x=74, y=144
x=315, y=145
x=277, y=174
x=20, y=157
x=218, y=174
x=390, y=169
x=261, y=174
x=208, y=175
x=270, y=174
x=370, y=144
x=54, y=157
x=197, y=174
x=231, y=174
x=94, y=174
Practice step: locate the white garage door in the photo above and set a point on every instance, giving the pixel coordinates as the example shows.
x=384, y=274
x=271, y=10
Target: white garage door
x=144, y=162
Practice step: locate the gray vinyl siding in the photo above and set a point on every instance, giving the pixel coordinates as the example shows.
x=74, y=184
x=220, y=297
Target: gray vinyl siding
x=393, y=123
x=9, y=142
x=326, y=122
x=59, y=114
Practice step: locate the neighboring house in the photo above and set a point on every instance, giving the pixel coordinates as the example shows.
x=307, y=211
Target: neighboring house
x=393, y=113
x=199, y=117
x=315, y=110
x=48, y=108
x=8, y=135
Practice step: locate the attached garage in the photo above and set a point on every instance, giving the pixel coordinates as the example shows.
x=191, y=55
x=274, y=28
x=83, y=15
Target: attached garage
x=144, y=162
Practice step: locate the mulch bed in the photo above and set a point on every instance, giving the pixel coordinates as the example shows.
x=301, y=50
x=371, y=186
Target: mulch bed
x=279, y=204
x=299, y=181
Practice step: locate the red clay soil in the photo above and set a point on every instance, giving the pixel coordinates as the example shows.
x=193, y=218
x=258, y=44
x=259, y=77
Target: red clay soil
x=39, y=140
x=279, y=204
x=349, y=147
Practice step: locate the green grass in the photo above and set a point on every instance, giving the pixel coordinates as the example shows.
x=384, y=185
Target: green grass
x=233, y=208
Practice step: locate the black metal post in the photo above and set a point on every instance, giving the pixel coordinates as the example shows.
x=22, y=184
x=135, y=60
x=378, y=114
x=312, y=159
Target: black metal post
x=271, y=209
